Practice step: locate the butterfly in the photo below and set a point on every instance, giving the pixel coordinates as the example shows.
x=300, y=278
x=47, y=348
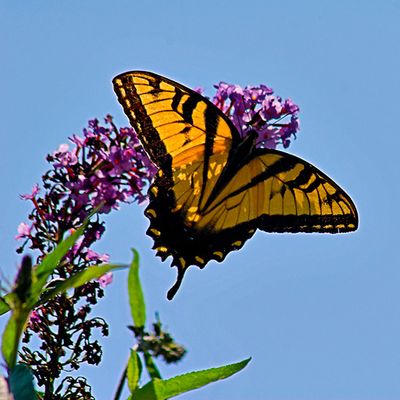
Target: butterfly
x=213, y=188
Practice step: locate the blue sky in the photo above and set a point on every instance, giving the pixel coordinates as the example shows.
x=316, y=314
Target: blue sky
x=319, y=314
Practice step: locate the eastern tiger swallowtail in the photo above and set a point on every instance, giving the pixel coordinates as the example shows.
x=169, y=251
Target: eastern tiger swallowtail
x=213, y=189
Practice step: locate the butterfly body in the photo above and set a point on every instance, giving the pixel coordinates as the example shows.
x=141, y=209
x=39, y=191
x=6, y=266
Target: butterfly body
x=214, y=188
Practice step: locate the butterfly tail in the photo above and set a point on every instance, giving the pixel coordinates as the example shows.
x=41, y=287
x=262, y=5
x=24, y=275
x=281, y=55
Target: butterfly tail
x=172, y=292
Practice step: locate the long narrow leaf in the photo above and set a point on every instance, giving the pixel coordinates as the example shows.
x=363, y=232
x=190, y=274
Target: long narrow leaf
x=11, y=336
x=151, y=366
x=46, y=267
x=158, y=389
x=17, y=300
x=79, y=279
x=51, y=261
x=136, y=298
x=134, y=371
x=9, y=341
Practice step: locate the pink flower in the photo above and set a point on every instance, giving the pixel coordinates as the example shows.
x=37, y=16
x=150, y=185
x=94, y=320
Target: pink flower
x=34, y=317
x=256, y=109
x=106, y=279
x=65, y=158
x=92, y=255
x=34, y=321
x=77, y=140
x=35, y=191
x=198, y=89
x=24, y=230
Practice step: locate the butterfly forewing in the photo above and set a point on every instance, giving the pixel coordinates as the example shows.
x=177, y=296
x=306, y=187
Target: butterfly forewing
x=175, y=124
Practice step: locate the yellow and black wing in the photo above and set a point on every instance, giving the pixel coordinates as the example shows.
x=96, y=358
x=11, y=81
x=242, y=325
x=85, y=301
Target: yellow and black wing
x=213, y=190
x=174, y=123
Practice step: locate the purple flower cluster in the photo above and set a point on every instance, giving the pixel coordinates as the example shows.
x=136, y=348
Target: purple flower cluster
x=105, y=167
x=116, y=166
x=256, y=108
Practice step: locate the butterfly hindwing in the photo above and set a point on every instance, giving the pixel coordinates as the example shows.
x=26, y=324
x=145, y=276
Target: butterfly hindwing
x=174, y=213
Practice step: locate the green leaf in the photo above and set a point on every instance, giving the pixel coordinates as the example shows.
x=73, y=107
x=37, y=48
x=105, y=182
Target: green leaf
x=4, y=303
x=158, y=389
x=79, y=279
x=11, y=336
x=136, y=298
x=51, y=261
x=42, y=271
x=134, y=371
x=21, y=304
x=21, y=383
x=10, y=341
x=23, y=281
x=151, y=366
x=17, y=300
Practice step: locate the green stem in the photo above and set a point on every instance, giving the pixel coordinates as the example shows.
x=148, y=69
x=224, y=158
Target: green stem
x=121, y=384
x=151, y=366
